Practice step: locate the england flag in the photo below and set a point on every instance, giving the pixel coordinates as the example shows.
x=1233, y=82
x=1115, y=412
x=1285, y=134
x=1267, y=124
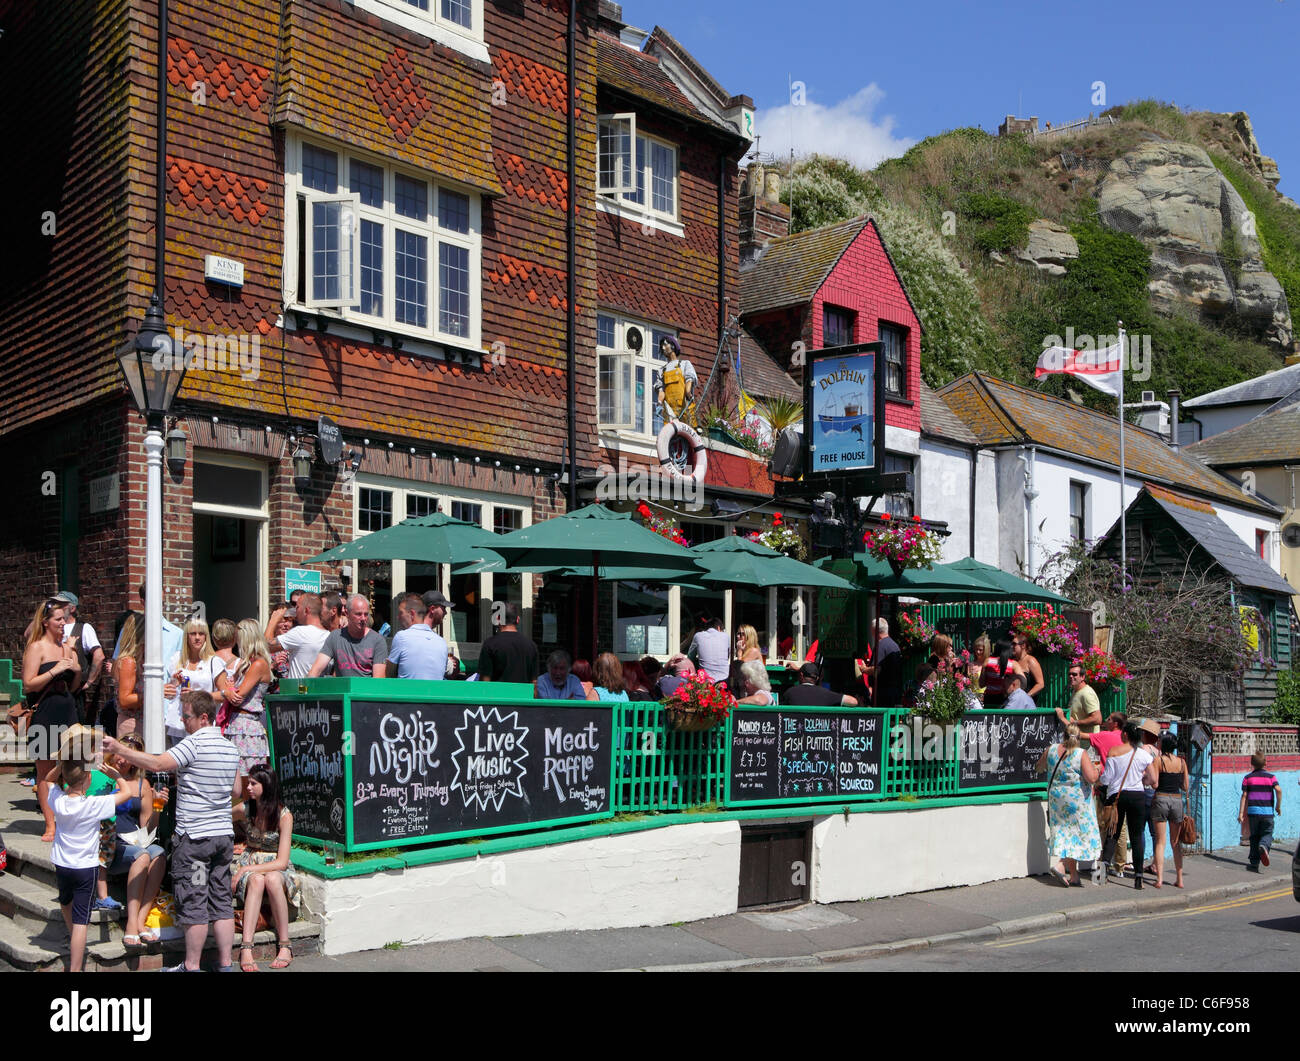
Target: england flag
x=1097, y=368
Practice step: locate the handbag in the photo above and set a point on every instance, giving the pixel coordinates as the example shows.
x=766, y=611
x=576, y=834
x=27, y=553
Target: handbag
x=1188, y=834
x=1109, y=820
x=19, y=716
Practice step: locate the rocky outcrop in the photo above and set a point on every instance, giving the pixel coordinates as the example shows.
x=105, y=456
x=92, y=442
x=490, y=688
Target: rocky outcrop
x=1264, y=166
x=1050, y=247
x=1172, y=198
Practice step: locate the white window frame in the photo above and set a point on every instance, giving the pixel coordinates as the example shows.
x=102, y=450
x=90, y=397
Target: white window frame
x=632, y=360
x=466, y=40
x=490, y=502
x=429, y=228
x=350, y=261
x=616, y=198
x=259, y=516
x=624, y=179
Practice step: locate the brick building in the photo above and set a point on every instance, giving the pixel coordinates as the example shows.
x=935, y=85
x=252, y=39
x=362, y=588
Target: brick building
x=366, y=220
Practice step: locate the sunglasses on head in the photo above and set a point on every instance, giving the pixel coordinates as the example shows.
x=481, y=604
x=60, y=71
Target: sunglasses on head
x=51, y=605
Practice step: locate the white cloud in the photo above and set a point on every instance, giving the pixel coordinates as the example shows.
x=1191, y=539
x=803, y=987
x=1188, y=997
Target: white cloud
x=846, y=129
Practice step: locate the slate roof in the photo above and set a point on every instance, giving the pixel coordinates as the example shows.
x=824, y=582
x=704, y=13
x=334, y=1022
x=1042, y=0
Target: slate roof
x=939, y=421
x=1000, y=413
x=1217, y=539
x=1273, y=438
x=1266, y=388
x=762, y=375
x=790, y=269
x=640, y=75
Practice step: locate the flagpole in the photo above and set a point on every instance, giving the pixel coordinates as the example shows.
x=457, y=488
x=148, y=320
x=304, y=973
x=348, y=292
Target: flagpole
x=1123, y=515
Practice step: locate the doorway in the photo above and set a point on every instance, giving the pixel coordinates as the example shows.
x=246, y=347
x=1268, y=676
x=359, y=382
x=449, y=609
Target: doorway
x=230, y=517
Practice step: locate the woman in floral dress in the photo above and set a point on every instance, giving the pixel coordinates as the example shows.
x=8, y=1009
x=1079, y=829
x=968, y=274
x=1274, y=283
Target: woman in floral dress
x=243, y=692
x=1071, y=816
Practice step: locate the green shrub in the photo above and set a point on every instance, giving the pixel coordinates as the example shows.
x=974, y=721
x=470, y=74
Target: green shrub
x=1277, y=226
x=1286, y=708
x=1001, y=223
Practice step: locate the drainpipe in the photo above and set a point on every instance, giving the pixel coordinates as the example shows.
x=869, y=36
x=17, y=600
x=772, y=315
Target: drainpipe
x=1173, y=396
x=722, y=248
x=570, y=234
x=1030, y=496
x=974, y=464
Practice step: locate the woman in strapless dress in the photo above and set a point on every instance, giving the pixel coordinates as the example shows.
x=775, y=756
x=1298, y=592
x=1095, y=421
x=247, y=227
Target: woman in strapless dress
x=51, y=675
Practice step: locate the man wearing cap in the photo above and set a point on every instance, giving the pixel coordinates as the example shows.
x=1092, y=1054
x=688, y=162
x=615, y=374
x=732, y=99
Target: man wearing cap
x=418, y=651
x=809, y=692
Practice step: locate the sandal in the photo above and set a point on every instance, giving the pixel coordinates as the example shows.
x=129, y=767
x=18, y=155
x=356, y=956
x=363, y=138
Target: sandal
x=150, y=935
x=279, y=962
x=247, y=966
x=131, y=941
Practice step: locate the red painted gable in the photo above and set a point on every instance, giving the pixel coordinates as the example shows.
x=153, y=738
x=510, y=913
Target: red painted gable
x=864, y=282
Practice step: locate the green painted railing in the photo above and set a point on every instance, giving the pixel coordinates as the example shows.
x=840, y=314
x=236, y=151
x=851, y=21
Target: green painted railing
x=8, y=683
x=663, y=769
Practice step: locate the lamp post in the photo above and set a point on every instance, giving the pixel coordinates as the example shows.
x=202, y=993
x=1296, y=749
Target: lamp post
x=153, y=373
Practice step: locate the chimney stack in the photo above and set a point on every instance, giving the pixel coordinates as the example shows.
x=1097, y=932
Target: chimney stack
x=762, y=214
x=1173, y=396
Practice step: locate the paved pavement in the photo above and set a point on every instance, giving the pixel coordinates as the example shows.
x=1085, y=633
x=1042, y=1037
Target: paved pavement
x=955, y=919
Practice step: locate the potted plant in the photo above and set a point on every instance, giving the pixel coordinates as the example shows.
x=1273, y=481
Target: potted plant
x=913, y=630
x=698, y=704
x=904, y=543
x=665, y=525
x=944, y=698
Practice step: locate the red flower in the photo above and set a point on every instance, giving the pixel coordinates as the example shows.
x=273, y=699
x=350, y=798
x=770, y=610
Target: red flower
x=884, y=515
x=916, y=519
x=776, y=519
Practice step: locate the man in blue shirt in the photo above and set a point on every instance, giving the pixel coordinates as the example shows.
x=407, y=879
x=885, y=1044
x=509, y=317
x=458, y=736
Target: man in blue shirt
x=558, y=683
x=419, y=651
x=1017, y=698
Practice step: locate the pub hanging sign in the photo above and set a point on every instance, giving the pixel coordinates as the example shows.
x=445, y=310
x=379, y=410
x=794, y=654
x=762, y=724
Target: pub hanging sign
x=844, y=410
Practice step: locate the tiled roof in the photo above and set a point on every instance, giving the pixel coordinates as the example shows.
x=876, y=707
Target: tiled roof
x=790, y=269
x=529, y=281
x=640, y=75
x=940, y=421
x=1266, y=388
x=1217, y=539
x=998, y=413
x=762, y=375
x=1268, y=439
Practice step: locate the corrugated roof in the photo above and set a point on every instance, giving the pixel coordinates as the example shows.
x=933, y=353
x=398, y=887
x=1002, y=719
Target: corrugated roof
x=640, y=75
x=940, y=421
x=1266, y=388
x=998, y=412
x=790, y=269
x=762, y=375
x=1269, y=439
x=1217, y=539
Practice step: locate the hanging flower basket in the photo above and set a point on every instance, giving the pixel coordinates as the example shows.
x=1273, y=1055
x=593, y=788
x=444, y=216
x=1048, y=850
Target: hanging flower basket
x=781, y=537
x=698, y=705
x=904, y=544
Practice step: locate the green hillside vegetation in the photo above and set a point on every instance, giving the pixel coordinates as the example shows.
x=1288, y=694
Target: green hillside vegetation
x=954, y=198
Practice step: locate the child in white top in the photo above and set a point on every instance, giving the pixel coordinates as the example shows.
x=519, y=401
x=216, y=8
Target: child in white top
x=75, y=852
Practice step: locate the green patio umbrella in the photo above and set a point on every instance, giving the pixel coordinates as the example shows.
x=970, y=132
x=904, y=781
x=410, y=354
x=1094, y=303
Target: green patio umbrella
x=592, y=539
x=433, y=539
x=736, y=560
x=939, y=583
x=1012, y=586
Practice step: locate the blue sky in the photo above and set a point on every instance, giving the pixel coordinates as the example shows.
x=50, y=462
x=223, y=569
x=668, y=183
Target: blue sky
x=879, y=77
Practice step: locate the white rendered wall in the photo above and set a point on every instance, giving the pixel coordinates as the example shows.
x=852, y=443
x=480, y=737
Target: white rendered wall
x=879, y=854
x=646, y=877
x=1216, y=419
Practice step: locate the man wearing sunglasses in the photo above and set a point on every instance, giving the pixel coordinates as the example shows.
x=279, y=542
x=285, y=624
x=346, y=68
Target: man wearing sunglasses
x=1085, y=708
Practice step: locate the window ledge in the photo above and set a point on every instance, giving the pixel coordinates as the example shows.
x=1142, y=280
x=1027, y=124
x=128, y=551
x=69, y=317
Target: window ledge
x=627, y=441
x=405, y=341
x=441, y=33
x=892, y=400
x=631, y=213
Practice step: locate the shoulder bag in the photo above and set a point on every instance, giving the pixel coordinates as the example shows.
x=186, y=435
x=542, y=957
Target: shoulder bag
x=1109, y=820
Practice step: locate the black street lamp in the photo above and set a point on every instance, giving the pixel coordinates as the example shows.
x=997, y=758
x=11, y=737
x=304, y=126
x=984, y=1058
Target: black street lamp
x=153, y=372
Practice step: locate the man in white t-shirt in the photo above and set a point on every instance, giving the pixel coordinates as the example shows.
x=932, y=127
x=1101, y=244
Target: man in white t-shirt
x=304, y=641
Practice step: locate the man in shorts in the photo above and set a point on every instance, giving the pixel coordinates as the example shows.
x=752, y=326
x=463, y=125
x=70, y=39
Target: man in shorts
x=207, y=766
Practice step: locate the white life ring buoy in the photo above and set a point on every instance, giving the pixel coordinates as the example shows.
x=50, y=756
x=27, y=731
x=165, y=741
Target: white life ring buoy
x=697, y=463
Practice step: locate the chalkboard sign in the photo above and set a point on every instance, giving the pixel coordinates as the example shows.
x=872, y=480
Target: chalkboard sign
x=998, y=628
x=307, y=741
x=789, y=755
x=426, y=769
x=1001, y=748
